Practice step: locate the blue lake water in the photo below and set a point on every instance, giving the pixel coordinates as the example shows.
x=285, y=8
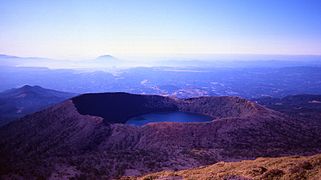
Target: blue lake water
x=167, y=117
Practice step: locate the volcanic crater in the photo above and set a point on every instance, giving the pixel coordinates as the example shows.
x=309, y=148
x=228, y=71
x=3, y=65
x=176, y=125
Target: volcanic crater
x=120, y=107
x=88, y=134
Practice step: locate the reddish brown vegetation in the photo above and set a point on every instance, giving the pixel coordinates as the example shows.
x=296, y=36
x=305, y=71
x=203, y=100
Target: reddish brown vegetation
x=40, y=144
x=283, y=168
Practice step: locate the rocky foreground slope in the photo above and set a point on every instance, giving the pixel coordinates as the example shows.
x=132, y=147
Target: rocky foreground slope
x=282, y=168
x=86, y=137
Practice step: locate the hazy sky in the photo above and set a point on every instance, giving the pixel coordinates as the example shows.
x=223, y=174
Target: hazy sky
x=88, y=28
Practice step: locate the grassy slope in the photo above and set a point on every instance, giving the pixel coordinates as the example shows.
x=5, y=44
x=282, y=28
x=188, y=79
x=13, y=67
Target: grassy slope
x=293, y=167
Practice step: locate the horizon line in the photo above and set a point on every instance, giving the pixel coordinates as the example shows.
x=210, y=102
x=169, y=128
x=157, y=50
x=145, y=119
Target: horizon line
x=160, y=55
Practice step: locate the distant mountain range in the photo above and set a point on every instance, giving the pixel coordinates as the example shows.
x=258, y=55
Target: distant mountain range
x=18, y=102
x=179, y=82
x=104, y=61
x=14, y=61
x=86, y=136
x=7, y=56
x=108, y=61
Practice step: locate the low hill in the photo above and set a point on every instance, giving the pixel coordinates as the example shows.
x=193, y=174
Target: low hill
x=107, y=60
x=17, y=102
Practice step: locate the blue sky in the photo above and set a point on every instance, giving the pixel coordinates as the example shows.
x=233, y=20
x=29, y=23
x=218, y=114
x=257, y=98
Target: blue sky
x=88, y=28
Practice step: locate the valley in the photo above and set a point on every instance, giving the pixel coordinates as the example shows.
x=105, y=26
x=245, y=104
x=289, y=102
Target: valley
x=160, y=90
x=181, y=82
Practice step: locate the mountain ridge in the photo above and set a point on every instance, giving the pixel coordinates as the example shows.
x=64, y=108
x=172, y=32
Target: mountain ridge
x=60, y=136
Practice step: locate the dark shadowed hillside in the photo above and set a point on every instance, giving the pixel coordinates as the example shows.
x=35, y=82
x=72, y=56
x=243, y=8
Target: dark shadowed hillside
x=119, y=107
x=64, y=141
x=15, y=103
